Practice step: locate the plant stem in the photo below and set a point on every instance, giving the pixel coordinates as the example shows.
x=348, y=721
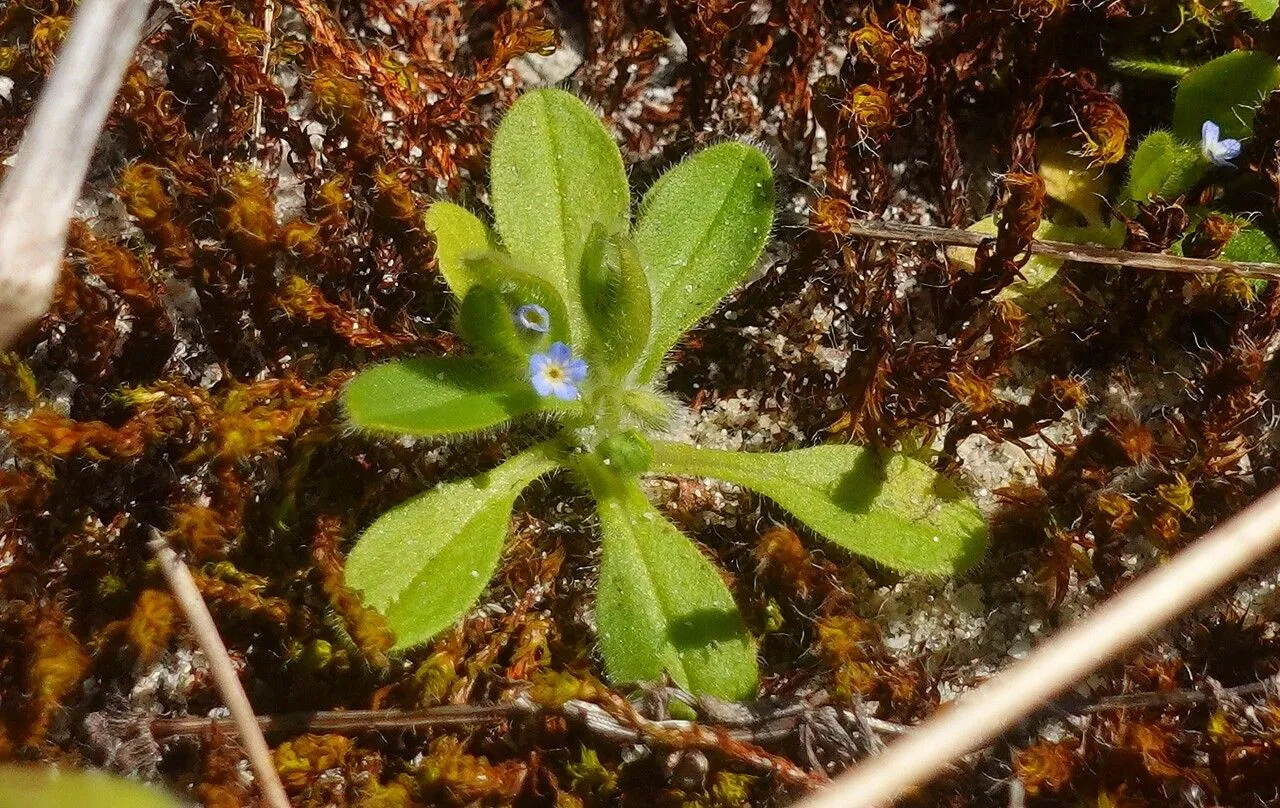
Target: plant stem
x=980, y=715
x=224, y=673
x=1081, y=253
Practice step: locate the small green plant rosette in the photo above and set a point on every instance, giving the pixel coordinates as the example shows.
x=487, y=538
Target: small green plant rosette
x=566, y=287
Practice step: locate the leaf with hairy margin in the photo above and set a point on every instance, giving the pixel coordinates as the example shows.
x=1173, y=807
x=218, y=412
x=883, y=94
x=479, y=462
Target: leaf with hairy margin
x=701, y=229
x=425, y=562
x=894, y=510
x=441, y=395
x=662, y=607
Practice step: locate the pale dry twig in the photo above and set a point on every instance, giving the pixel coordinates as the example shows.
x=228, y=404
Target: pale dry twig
x=980, y=715
x=40, y=191
x=224, y=674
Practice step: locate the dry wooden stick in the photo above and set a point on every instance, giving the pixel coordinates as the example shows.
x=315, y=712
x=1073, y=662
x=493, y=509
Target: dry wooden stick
x=1083, y=253
x=224, y=674
x=977, y=717
x=40, y=191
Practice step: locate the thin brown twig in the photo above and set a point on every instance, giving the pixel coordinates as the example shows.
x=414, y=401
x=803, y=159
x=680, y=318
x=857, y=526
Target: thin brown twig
x=1177, y=698
x=349, y=722
x=224, y=675
x=738, y=741
x=1082, y=253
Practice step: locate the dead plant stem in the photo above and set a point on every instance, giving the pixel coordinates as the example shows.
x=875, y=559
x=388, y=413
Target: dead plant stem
x=1082, y=253
x=976, y=718
x=224, y=674
x=39, y=193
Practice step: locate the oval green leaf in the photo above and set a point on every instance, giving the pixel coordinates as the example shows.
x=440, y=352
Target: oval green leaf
x=555, y=173
x=1262, y=9
x=616, y=300
x=425, y=562
x=702, y=227
x=1227, y=91
x=439, y=395
x=661, y=606
x=459, y=235
x=896, y=510
x=52, y=787
x=1163, y=166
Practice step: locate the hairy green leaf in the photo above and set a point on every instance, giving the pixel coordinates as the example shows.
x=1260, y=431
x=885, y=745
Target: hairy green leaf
x=662, y=607
x=55, y=787
x=487, y=317
x=555, y=174
x=1251, y=244
x=896, y=510
x=616, y=299
x=702, y=226
x=1227, y=91
x=423, y=563
x=1147, y=68
x=1163, y=166
x=459, y=234
x=1262, y=9
x=439, y=395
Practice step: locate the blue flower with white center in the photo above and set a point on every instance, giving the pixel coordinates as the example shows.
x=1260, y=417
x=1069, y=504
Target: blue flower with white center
x=1220, y=152
x=533, y=317
x=556, y=372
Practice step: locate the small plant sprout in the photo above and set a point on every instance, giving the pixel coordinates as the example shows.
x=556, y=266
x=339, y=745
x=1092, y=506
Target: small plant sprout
x=569, y=309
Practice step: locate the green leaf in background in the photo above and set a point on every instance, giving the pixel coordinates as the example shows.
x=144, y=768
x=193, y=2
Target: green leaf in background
x=616, y=299
x=487, y=317
x=1262, y=9
x=1146, y=68
x=702, y=227
x=1226, y=91
x=896, y=511
x=1251, y=244
x=1074, y=180
x=439, y=395
x=662, y=607
x=1164, y=166
x=556, y=173
x=52, y=787
x=459, y=234
x=425, y=562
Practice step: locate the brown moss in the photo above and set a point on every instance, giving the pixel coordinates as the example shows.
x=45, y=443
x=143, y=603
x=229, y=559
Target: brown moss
x=185, y=378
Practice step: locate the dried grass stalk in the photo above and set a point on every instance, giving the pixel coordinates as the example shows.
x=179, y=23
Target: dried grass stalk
x=39, y=192
x=980, y=715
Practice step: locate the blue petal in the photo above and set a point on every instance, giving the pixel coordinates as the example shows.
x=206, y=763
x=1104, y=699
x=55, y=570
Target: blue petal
x=538, y=363
x=544, y=386
x=560, y=353
x=1209, y=133
x=576, y=370
x=1229, y=149
x=563, y=390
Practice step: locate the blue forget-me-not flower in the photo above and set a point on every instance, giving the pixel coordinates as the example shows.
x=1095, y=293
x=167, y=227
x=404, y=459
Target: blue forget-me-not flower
x=556, y=372
x=1219, y=151
x=533, y=317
